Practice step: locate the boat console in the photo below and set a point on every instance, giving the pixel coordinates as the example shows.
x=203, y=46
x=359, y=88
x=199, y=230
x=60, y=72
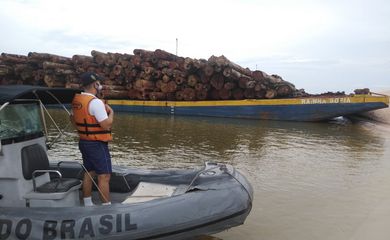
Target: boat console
x=25, y=174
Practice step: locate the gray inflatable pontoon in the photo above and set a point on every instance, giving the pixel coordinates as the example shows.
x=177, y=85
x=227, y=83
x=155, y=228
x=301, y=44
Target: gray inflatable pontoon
x=41, y=200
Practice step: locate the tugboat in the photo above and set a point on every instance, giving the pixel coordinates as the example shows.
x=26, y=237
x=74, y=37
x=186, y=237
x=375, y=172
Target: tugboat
x=40, y=199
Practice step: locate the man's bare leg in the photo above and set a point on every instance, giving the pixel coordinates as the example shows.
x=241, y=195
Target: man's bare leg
x=87, y=187
x=104, y=186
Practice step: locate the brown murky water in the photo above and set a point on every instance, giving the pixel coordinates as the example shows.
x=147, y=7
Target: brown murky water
x=311, y=180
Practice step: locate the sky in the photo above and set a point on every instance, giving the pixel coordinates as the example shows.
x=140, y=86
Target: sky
x=318, y=45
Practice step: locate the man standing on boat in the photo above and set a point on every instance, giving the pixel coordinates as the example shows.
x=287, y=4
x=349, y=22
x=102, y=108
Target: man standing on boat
x=93, y=120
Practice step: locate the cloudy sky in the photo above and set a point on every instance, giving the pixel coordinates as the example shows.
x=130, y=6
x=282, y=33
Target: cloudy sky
x=318, y=45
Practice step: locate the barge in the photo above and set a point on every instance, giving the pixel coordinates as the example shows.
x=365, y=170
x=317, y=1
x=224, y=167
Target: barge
x=288, y=109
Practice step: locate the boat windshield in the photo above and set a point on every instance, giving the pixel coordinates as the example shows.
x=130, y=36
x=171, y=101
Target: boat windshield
x=19, y=120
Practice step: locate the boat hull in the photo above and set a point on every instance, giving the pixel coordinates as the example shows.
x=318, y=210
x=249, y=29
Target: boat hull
x=299, y=109
x=212, y=204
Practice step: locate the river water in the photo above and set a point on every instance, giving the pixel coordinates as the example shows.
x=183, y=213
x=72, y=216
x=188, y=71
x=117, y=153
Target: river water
x=311, y=180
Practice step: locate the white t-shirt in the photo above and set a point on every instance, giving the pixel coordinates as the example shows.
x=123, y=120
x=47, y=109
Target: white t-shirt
x=96, y=108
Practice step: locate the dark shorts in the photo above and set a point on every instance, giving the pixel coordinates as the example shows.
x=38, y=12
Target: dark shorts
x=96, y=156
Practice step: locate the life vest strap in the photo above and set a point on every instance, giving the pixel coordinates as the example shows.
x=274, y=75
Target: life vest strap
x=94, y=132
x=88, y=124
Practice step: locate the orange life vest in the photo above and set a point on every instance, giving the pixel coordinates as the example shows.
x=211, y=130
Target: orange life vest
x=87, y=125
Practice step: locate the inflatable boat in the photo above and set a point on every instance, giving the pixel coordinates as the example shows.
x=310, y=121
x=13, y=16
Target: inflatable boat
x=40, y=199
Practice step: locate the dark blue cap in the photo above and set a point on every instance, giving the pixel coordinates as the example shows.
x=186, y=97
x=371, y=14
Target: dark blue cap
x=88, y=78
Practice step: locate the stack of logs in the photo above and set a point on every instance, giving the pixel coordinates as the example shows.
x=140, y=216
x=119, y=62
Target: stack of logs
x=148, y=75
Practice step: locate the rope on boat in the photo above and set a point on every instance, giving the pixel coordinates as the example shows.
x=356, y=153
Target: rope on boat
x=95, y=184
x=223, y=167
x=198, y=174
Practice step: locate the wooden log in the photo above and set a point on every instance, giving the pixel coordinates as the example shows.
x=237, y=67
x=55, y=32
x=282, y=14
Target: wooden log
x=250, y=84
x=131, y=74
x=113, y=87
x=189, y=94
x=363, y=91
x=13, y=58
x=172, y=86
x=49, y=57
x=157, y=74
x=145, y=54
x=270, y=93
x=203, y=77
x=72, y=85
x=81, y=59
x=142, y=84
x=208, y=70
x=229, y=85
x=284, y=90
x=249, y=93
x=53, y=81
x=145, y=64
x=242, y=82
x=259, y=87
x=179, y=95
x=117, y=70
x=201, y=94
x=98, y=57
x=274, y=79
x=217, y=81
x=136, y=61
x=144, y=75
x=39, y=74
x=169, y=87
x=207, y=86
x=223, y=62
x=158, y=84
x=188, y=64
x=163, y=86
x=114, y=94
x=6, y=70
x=259, y=75
x=161, y=54
x=214, y=94
x=233, y=74
x=227, y=71
x=224, y=94
x=179, y=80
x=171, y=96
x=163, y=64
x=178, y=73
x=54, y=65
x=238, y=94
x=166, y=78
x=157, y=96
x=199, y=87
x=149, y=70
x=192, y=80
x=134, y=94
x=24, y=71
x=173, y=65
x=60, y=71
x=125, y=60
x=167, y=71
x=260, y=94
x=197, y=64
x=218, y=69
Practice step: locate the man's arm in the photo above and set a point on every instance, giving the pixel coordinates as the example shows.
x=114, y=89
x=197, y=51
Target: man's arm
x=106, y=124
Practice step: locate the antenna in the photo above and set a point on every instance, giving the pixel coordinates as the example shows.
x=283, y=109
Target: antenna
x=177, y=45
